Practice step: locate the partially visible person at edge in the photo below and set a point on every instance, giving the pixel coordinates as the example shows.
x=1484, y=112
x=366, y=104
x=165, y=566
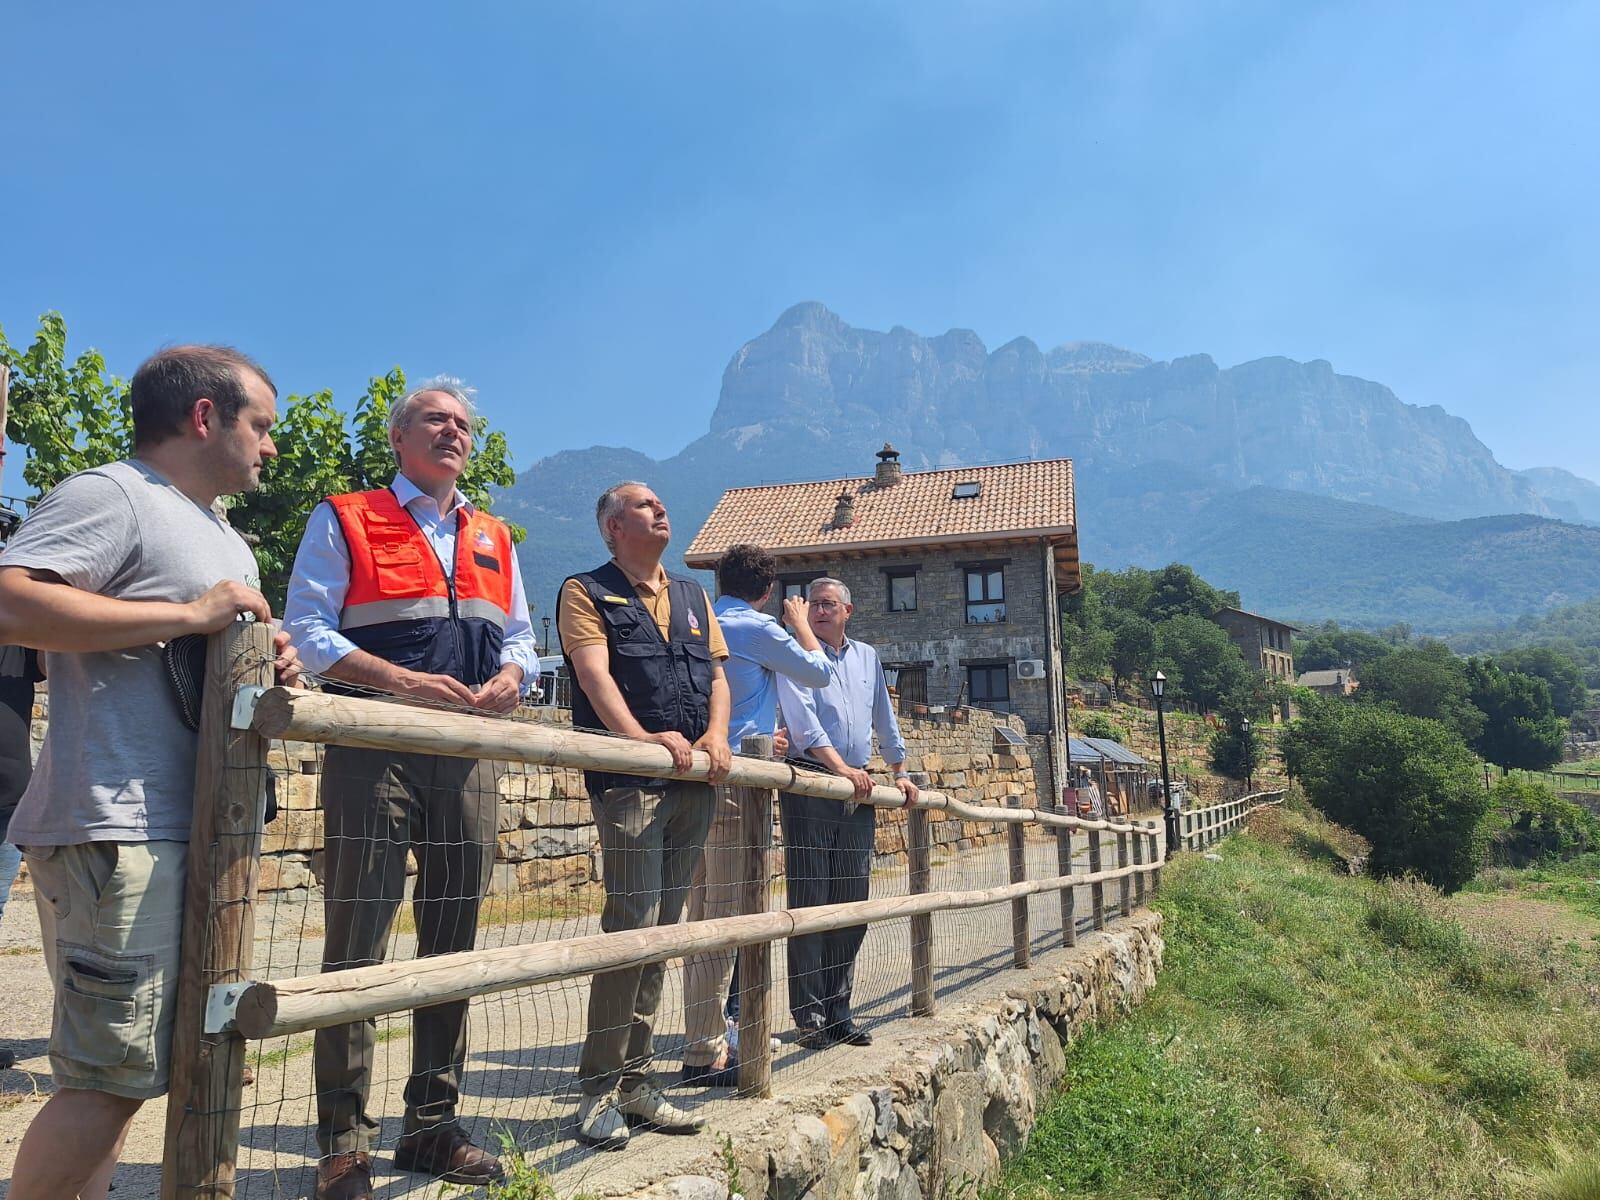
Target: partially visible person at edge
x=113, y=562
x=645, y=652
x=19, y=671
x=410, y=590
x=759, y=651
x=827, y=846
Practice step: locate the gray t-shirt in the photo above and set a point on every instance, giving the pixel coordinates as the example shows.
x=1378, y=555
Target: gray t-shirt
x=118, y=762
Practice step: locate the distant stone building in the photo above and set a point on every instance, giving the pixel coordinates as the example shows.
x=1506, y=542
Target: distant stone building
x=1337, y=682
x=955, y=576
x=1265, y=643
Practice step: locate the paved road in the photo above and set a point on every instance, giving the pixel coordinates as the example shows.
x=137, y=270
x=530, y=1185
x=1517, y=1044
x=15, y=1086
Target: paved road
x=521, y=1077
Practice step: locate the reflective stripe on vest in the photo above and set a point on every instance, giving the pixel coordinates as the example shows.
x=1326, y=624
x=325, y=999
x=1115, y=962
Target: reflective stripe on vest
x=395, y=575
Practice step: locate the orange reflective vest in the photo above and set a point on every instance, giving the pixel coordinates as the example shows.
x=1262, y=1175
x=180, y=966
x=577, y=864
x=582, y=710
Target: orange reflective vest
x=400, y=604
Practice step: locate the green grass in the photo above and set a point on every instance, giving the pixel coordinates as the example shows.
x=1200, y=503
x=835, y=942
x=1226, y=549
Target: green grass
x=1316, y=1035
x=1575, y=883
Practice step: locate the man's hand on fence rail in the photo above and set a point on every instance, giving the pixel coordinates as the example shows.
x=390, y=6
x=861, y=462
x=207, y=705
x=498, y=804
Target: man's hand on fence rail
x=717, y=750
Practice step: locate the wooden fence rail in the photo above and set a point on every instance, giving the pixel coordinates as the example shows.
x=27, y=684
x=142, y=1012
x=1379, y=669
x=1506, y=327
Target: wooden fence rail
x=219, y=1005
x=1202, y=827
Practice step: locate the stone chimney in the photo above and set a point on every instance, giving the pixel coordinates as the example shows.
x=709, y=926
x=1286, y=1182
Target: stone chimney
x=844, y=512
x=888, y=466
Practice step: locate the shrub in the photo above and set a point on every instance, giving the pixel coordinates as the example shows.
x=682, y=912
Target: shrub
x=1098, y=725
x=1233, y=752
x=1408, y=785
x=1529, y=823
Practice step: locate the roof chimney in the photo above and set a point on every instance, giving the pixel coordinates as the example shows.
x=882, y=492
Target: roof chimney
x=844, y=513
x=888, y=466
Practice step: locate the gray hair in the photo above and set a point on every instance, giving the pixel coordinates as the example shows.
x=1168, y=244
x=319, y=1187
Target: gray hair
x=400, y=414
x=610, y=505
x=828, y=581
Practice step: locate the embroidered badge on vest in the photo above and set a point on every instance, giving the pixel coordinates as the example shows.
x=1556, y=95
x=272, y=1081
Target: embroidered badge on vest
x=694, y=623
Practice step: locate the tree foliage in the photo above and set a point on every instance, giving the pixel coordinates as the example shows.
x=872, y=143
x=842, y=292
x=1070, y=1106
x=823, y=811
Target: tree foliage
x=1425, y=680
x=1529, y=823
x=1200, y=661
x=1328, y=646
x=1568, y=692
x=1520, y=726
x=1133, y=646
x=72, y=415
x=1405, y=783
x=1086, y=641
x=1234, y=752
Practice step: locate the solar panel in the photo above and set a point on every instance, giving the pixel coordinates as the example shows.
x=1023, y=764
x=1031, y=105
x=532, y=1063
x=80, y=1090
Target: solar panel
x=1008, y=735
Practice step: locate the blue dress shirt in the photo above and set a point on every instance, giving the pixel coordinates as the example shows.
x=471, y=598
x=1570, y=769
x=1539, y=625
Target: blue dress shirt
x=760, y=650
x=847, y=711
x=322, y=577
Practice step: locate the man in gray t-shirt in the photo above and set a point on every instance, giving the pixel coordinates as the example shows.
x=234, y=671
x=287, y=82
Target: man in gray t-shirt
x=112, y=563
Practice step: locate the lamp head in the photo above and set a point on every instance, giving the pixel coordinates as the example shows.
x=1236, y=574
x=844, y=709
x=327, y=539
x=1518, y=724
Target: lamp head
x=1158, y=685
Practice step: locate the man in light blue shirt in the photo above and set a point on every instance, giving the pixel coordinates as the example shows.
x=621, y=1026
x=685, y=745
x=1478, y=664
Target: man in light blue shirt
x=760, y=651
x=827, y=847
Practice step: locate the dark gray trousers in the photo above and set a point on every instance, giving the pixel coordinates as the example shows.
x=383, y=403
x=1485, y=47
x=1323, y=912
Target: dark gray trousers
x=827, y=857
x=377, y=805
x=650, y=842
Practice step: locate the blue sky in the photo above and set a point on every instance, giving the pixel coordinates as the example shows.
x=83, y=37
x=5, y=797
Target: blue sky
x=586, y=209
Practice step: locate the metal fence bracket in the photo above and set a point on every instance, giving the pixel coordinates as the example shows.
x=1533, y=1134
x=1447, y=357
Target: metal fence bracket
x=244, y=706
x=222, y=1005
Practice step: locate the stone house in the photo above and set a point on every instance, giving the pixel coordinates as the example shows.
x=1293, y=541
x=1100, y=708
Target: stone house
x=1264, y=642
x=1336, y=682
x=955, y=575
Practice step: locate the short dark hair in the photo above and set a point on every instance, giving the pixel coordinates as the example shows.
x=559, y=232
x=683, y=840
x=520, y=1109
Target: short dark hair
x=168, y=383
x=746, y=571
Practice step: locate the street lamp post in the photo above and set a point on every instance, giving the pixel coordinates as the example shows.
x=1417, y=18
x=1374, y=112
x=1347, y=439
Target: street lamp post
x=1244, y=728
x=1158, y=689
x=546, y=621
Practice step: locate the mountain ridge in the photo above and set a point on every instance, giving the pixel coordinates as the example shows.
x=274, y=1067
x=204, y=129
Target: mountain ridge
x=1157, y=446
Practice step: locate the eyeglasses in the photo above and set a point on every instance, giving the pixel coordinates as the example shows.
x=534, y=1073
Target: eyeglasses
x=826, y=605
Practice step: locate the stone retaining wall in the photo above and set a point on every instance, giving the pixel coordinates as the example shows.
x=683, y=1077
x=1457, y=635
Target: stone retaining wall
x=943, y=1120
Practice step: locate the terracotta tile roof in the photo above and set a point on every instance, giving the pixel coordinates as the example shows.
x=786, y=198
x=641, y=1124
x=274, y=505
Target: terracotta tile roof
x=1031, y=499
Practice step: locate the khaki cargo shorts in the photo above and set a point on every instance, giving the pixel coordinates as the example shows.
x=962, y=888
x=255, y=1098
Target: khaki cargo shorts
x=110, y=915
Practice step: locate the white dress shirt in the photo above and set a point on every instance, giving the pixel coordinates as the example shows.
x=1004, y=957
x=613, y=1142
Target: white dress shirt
x=321, y=578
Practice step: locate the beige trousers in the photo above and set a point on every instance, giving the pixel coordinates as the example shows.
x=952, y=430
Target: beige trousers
x=713, y=893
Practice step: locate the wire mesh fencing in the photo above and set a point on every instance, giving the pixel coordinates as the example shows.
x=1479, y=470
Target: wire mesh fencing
x=448, y=925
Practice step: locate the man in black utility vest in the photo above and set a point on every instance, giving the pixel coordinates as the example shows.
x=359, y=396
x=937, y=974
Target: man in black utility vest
x=645, y=651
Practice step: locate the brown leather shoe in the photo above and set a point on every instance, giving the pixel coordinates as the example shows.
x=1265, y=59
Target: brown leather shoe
x=345, y=1176
x=447, y=1153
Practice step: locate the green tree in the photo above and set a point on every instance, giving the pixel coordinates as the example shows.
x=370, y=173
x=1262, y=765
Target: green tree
x=1407, y=784
x=1520, y=727
x=1425, y=680
x=1175, y=591
x=1529, y=823
x=1086, y=642
x=1329, y=646
x=1568, y=692
x=1233, y=752
x=71, y=416
x=1133, y=646
x=1205, y=665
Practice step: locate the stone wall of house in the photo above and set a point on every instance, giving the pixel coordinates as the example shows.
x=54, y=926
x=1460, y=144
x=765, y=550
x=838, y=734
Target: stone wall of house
x=936, y=638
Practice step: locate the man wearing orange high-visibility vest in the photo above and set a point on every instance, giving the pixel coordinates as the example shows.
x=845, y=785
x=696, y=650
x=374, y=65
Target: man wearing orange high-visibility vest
x=409, y=590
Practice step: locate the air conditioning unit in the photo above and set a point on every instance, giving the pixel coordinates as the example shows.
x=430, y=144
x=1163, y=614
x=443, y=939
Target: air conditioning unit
x=1030, y=668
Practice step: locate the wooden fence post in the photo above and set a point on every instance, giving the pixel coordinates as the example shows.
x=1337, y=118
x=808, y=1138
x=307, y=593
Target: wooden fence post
x=1125, y=884
x=1069, y=895
x=1097, y=890
x=1156, y=856
x=1138, y=861
x=755, y=960
x=919, y=869
x=1021, y=942
x=206, y=1086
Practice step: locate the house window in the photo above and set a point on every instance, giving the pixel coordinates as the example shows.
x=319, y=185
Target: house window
x=902, y=591
x=986, y=596
x=989, y=686
x=794, y=587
